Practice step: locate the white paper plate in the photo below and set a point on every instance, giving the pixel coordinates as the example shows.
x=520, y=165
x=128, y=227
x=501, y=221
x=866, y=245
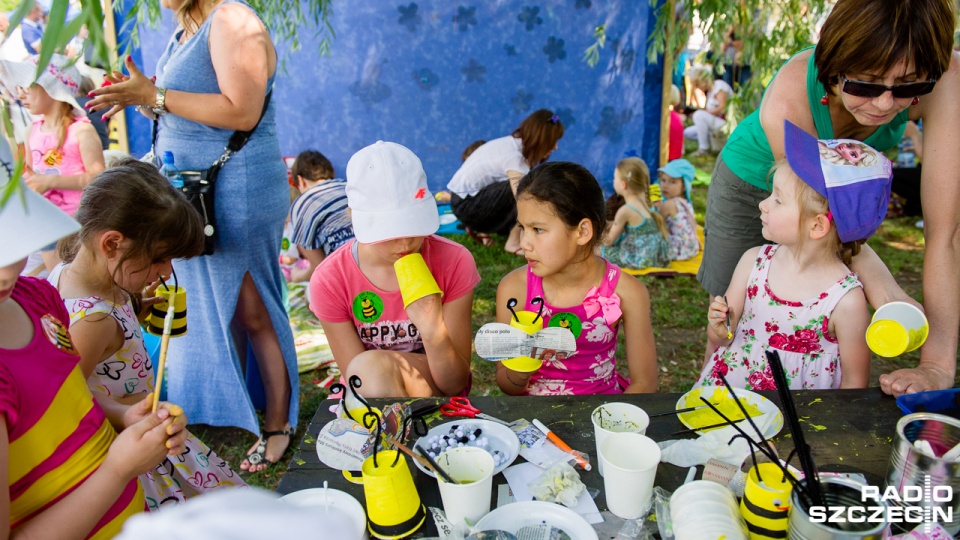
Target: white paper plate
x=344, y=502
x=499, y=436
x=515, y=516
x=692, y=399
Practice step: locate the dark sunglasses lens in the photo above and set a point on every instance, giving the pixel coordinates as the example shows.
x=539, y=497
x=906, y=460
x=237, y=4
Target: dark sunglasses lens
x=913, y=90
x=861, y=89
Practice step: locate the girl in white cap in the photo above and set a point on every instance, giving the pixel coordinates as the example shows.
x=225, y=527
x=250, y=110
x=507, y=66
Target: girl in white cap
x=63, y=468
x=64, y=153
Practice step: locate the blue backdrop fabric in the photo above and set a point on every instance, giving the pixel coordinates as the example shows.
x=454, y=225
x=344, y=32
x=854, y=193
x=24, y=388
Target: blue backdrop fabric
x=436, y=75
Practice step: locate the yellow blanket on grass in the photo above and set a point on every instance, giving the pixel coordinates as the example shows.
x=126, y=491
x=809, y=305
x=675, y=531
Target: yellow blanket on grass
x=689, y=266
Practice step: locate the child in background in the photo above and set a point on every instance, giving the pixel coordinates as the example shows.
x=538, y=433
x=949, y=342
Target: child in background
x=133, y=224
x=63, y=466
x=638, y=237
x=319, y=215
x=560, y=210
x=676, y=178
x=798, y=296
x=675, y=148
x=63, y=149
x=420, y=350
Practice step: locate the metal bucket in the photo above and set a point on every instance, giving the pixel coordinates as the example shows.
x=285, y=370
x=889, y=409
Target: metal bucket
x=910, y=467
x=837, y=491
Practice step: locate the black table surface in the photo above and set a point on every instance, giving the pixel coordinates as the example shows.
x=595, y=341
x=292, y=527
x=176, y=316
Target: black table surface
x=847, y=430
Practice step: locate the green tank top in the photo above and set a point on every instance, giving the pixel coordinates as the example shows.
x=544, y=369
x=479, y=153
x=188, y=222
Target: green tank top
x=747, y=152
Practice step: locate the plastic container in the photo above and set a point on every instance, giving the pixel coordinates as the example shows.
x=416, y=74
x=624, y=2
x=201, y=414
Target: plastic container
x=936, y=401
x=170, y=170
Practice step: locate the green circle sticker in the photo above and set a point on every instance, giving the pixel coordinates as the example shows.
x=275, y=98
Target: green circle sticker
x=285, y=244
x=567, y=320
x=367, y=306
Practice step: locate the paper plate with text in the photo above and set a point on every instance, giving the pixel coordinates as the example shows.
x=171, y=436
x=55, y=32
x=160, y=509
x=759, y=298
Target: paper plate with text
x=756, y=406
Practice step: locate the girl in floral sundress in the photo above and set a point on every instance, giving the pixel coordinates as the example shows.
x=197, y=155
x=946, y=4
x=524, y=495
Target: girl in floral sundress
x=561, y=215
x=798, y=296
x=133, y=224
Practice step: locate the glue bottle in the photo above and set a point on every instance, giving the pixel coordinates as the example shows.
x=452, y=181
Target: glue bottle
x=170, y=170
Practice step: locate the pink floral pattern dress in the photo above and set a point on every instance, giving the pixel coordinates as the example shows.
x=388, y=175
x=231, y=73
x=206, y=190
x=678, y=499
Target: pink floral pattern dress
x=797, y=330
x=130, y=372
x=595, y=323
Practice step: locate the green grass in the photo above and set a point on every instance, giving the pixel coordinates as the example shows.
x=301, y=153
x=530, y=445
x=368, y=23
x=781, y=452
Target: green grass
x=678, y=308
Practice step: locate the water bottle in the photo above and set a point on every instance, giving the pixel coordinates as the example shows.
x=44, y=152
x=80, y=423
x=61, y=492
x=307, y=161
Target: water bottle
x=170, y=170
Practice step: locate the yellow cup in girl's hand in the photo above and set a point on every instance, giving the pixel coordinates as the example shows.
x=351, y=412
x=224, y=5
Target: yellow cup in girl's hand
x=525, y=364
x=897, y=328
x=159, y=310
x=414, y=278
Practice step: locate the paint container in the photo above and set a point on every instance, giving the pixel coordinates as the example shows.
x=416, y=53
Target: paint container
x=837, y=492
x=937, y=479
x=897, y=328
x=531, y=323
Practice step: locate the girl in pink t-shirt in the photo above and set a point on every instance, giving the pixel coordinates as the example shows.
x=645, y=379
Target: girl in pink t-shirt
x=420, y=350
x=64, y=153
x=562, y=216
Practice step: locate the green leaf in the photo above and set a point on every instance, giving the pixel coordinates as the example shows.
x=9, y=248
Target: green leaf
x=52, y=33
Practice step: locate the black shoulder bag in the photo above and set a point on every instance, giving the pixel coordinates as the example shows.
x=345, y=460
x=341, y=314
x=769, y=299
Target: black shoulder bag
x=198, y=186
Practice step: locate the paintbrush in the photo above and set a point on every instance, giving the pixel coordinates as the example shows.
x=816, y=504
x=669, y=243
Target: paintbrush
x=729, y=330
x=678, y=411
x=701, y=428
x=422, y=458
x=793, y=420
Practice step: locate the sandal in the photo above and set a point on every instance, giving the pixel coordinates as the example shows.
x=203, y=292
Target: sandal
x=482, y=238
x=259, y=455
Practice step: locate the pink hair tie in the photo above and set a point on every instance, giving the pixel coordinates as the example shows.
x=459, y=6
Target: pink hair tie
x=829, y=215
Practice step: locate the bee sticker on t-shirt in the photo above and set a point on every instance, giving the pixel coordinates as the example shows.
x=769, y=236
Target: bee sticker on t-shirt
x=567, y=320
x=56, y=332
x=367, y=307
x=52, y=158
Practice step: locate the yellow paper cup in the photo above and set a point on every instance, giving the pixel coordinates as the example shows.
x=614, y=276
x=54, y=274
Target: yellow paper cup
x=393, y=504
x=897, y=328
x=766, y=502
x=415, y=278
x=525, y=364
x=159, y=310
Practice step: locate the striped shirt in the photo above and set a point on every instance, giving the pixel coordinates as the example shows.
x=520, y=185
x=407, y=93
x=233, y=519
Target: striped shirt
x=58, y=435
x=320, y=218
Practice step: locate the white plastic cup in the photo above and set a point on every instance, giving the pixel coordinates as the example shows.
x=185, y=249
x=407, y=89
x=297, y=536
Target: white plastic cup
x=469, y=499
x=897, y=328
x=631, y=460
x=617, y=418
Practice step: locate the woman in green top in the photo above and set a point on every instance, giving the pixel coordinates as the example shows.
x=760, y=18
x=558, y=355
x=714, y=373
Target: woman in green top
x=877, y=64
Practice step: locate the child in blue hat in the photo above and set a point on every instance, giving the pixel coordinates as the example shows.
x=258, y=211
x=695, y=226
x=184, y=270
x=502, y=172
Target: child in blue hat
x=675, y=179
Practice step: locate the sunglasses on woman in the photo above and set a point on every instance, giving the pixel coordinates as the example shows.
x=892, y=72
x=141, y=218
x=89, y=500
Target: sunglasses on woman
x=900, y=91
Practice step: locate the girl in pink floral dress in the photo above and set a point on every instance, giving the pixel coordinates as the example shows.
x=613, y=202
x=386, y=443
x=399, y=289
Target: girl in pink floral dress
x=561, y=214
x=800, y=298
x=133, y=223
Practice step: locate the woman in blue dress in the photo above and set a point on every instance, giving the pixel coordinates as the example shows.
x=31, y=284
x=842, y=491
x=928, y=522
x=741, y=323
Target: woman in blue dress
x=213, y=79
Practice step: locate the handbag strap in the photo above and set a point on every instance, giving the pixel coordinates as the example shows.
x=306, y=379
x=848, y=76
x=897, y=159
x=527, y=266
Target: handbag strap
x=237, y=140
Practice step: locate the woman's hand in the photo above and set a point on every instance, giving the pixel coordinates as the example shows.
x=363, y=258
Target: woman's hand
x=123, y=91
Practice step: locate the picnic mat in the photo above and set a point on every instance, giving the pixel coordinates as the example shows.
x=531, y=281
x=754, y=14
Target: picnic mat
x=689, y=266
x=313, y=351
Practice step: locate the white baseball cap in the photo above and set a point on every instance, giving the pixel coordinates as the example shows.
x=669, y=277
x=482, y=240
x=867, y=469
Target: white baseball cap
x=60, y=78
x=28, y=222
x=388, y=195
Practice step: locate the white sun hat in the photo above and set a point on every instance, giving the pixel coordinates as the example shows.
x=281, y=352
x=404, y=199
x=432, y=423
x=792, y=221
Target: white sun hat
x=28, y=222
x=61, y=78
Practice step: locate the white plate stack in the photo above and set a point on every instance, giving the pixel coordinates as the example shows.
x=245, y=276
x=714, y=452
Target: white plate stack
x=705, y=510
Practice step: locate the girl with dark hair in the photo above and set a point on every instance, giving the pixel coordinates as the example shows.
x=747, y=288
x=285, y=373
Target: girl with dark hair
x=133, y=223
x=561, y=217
x=876, y=66
x=482, y=198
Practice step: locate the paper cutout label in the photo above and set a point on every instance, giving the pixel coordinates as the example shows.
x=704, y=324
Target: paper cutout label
x=343, y=444
x=498, y=341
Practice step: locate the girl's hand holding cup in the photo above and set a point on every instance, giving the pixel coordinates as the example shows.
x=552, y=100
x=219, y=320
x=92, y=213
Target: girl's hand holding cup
x=140, y=447
x=176, y=431
x=148, y=298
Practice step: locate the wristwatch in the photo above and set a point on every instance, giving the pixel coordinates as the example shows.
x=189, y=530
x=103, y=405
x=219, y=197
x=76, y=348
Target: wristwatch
x=160, y=108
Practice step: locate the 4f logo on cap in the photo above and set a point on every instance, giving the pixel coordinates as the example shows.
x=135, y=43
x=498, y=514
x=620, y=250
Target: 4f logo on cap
x=421, y=193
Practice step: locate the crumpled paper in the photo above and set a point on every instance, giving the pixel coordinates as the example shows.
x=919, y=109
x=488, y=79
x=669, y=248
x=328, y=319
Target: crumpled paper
x=560, y=483
x=714, y=444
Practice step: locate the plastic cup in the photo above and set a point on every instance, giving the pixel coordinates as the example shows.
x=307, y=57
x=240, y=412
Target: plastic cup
x=897, y=328
x=159, y=310
x=631, y=460
x=414, y=278
x=617, y=418
x=393, y=504
x=469, y=499
x=766, y=499
x=525, y=364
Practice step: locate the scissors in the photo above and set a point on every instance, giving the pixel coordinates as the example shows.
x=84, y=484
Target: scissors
x=460, y=406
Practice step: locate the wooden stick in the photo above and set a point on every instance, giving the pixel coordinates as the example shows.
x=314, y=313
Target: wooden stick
x=422, y=458
x=164, y=344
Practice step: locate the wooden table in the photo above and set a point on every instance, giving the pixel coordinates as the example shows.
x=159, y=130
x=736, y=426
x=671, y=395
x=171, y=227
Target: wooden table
x=854, y=432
